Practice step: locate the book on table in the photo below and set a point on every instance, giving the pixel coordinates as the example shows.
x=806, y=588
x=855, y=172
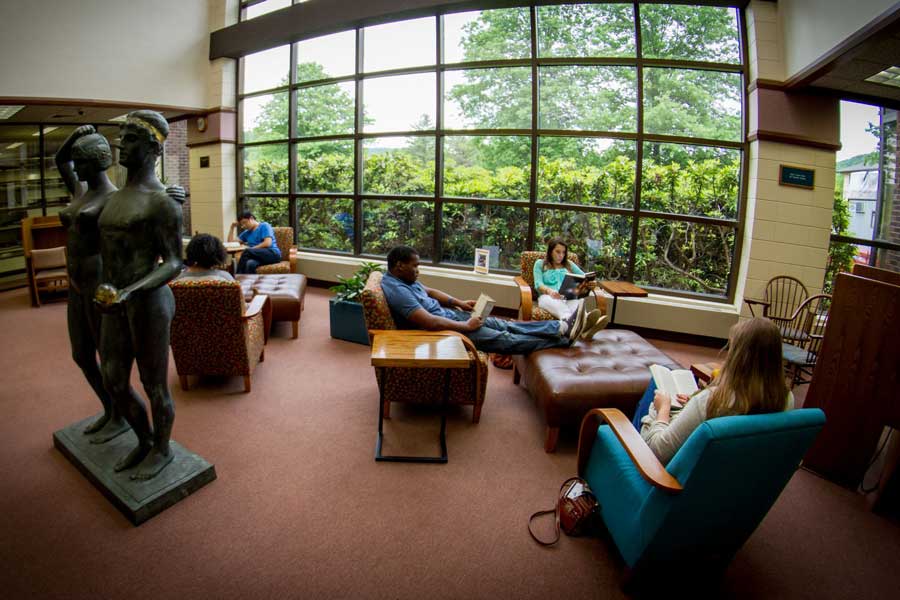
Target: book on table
x=483, y=306
x=678, y=381
x=232, y=245
x=569, y=286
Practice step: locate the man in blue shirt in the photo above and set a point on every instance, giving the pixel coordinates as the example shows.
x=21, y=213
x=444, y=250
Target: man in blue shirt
x=415, y=306
x=260, y=241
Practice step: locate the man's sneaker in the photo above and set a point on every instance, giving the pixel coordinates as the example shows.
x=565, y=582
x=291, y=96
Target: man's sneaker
x=575, y=323
x=590, y=319
x=599, y=324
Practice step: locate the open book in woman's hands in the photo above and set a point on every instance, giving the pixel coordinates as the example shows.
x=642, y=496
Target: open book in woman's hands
x=679, y=381
x=569, y=287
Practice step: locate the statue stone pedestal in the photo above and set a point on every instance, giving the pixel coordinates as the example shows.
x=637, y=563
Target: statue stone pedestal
x=137, y=500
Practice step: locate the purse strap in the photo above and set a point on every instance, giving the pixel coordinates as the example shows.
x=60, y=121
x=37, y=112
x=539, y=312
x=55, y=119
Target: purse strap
x=555, y=511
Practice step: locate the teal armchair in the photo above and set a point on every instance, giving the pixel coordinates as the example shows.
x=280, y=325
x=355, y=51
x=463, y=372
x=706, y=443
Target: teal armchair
x=710, y=497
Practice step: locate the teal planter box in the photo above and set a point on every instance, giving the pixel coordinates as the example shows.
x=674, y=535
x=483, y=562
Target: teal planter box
x=347, y=322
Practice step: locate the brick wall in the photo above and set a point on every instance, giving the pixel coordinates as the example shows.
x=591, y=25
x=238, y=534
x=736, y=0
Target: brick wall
x=177, y=166
x=891, y=260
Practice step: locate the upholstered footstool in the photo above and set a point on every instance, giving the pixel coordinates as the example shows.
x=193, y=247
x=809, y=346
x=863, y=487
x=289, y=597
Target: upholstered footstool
x=286, y=291
x=610, y=371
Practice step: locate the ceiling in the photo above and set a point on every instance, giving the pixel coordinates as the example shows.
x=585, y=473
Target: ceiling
x=845, y=70
x=74, y=114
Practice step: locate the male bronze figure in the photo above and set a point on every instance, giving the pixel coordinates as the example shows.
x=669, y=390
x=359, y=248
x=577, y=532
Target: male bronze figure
x=140, y=247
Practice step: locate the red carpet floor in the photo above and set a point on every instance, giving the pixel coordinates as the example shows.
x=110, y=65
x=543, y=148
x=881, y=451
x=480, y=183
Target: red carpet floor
x=300, y=509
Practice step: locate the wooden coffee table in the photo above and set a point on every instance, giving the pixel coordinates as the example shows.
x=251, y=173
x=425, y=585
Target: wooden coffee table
x=621, y=288
x=416, y=350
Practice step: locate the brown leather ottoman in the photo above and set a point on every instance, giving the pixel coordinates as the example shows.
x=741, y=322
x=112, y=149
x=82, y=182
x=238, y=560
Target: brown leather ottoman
x=611, y=371
x=286, y=292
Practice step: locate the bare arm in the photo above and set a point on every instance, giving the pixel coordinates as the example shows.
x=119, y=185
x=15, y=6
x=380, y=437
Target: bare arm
x=425, y=320
x=64, y=160
x=231, y=232
x=447, y=300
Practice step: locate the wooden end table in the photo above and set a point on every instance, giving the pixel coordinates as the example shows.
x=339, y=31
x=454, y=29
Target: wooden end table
x=234, y=255
x=621, y=288
x=703, y=372
x=416, y=350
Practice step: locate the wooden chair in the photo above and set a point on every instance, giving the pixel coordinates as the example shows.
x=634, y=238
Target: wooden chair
x=467, y=386
x=47, y=271
x=284, y=237
x=810, y=320
x=44, y=233
x=214, y=332
x=528, y=308
x=781, y=299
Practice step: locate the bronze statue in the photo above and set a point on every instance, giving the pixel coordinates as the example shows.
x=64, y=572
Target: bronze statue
x=85, y=156
x=140, y=246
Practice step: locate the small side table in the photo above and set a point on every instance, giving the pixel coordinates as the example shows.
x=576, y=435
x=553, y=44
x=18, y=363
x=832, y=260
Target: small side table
x=704, y=371
x=234, y=255
x=621, y=288
x=416, y=351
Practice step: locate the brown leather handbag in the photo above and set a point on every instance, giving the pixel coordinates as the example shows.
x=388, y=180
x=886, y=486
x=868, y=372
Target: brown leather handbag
x=576, y=511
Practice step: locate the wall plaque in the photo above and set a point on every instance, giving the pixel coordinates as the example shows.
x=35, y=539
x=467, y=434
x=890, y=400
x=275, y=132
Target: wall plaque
x=796, y=176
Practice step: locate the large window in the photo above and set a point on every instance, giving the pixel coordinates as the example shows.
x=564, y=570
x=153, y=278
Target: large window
x=866, y=217
x=616, y=126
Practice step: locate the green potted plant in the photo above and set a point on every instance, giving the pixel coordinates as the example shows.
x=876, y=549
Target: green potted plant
x=346, y=311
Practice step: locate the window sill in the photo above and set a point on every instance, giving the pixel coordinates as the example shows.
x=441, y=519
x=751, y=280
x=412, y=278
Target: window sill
x=657, y=311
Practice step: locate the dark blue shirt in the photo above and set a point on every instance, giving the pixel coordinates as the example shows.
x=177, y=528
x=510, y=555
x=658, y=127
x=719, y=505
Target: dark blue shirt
x=404, y=298
x=256, y=237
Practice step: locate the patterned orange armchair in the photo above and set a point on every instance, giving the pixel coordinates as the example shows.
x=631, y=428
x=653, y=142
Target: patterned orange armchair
x=467, y=386
x=215, y=332
x=284, y=238
x=528, y=308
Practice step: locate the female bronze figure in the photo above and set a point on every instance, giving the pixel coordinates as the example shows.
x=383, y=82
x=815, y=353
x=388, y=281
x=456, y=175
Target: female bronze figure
x=84, y=157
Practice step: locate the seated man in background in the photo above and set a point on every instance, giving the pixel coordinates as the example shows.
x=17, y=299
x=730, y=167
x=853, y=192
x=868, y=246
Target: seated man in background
x=260, y=241
x=415, y=306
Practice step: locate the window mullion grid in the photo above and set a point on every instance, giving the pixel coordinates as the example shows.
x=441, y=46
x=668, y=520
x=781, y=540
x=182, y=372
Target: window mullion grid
x=532, y=192
x=293, y=98
x=639, y=137
x=438, y=238
x=639, y=150
x=743, y=183
x=357, y=146
x=40, y=172
x=239, y=135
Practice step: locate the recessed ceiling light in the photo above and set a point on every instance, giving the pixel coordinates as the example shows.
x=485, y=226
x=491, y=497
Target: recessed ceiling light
x=890, y=76
x=14, y=146
x=46, y=130
x=9, y=110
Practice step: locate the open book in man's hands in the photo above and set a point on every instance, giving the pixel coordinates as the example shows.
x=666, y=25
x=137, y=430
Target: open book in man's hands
x=679, y=381
x=569, y=286
x=483, y=306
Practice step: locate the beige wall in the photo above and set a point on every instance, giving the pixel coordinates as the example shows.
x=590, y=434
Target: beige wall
x=787, y=228
x=114, y=50
x=213, y=189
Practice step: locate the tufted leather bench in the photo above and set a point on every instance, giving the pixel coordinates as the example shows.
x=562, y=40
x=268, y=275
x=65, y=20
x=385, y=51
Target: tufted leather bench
x=610, y=371
x=286, y=292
